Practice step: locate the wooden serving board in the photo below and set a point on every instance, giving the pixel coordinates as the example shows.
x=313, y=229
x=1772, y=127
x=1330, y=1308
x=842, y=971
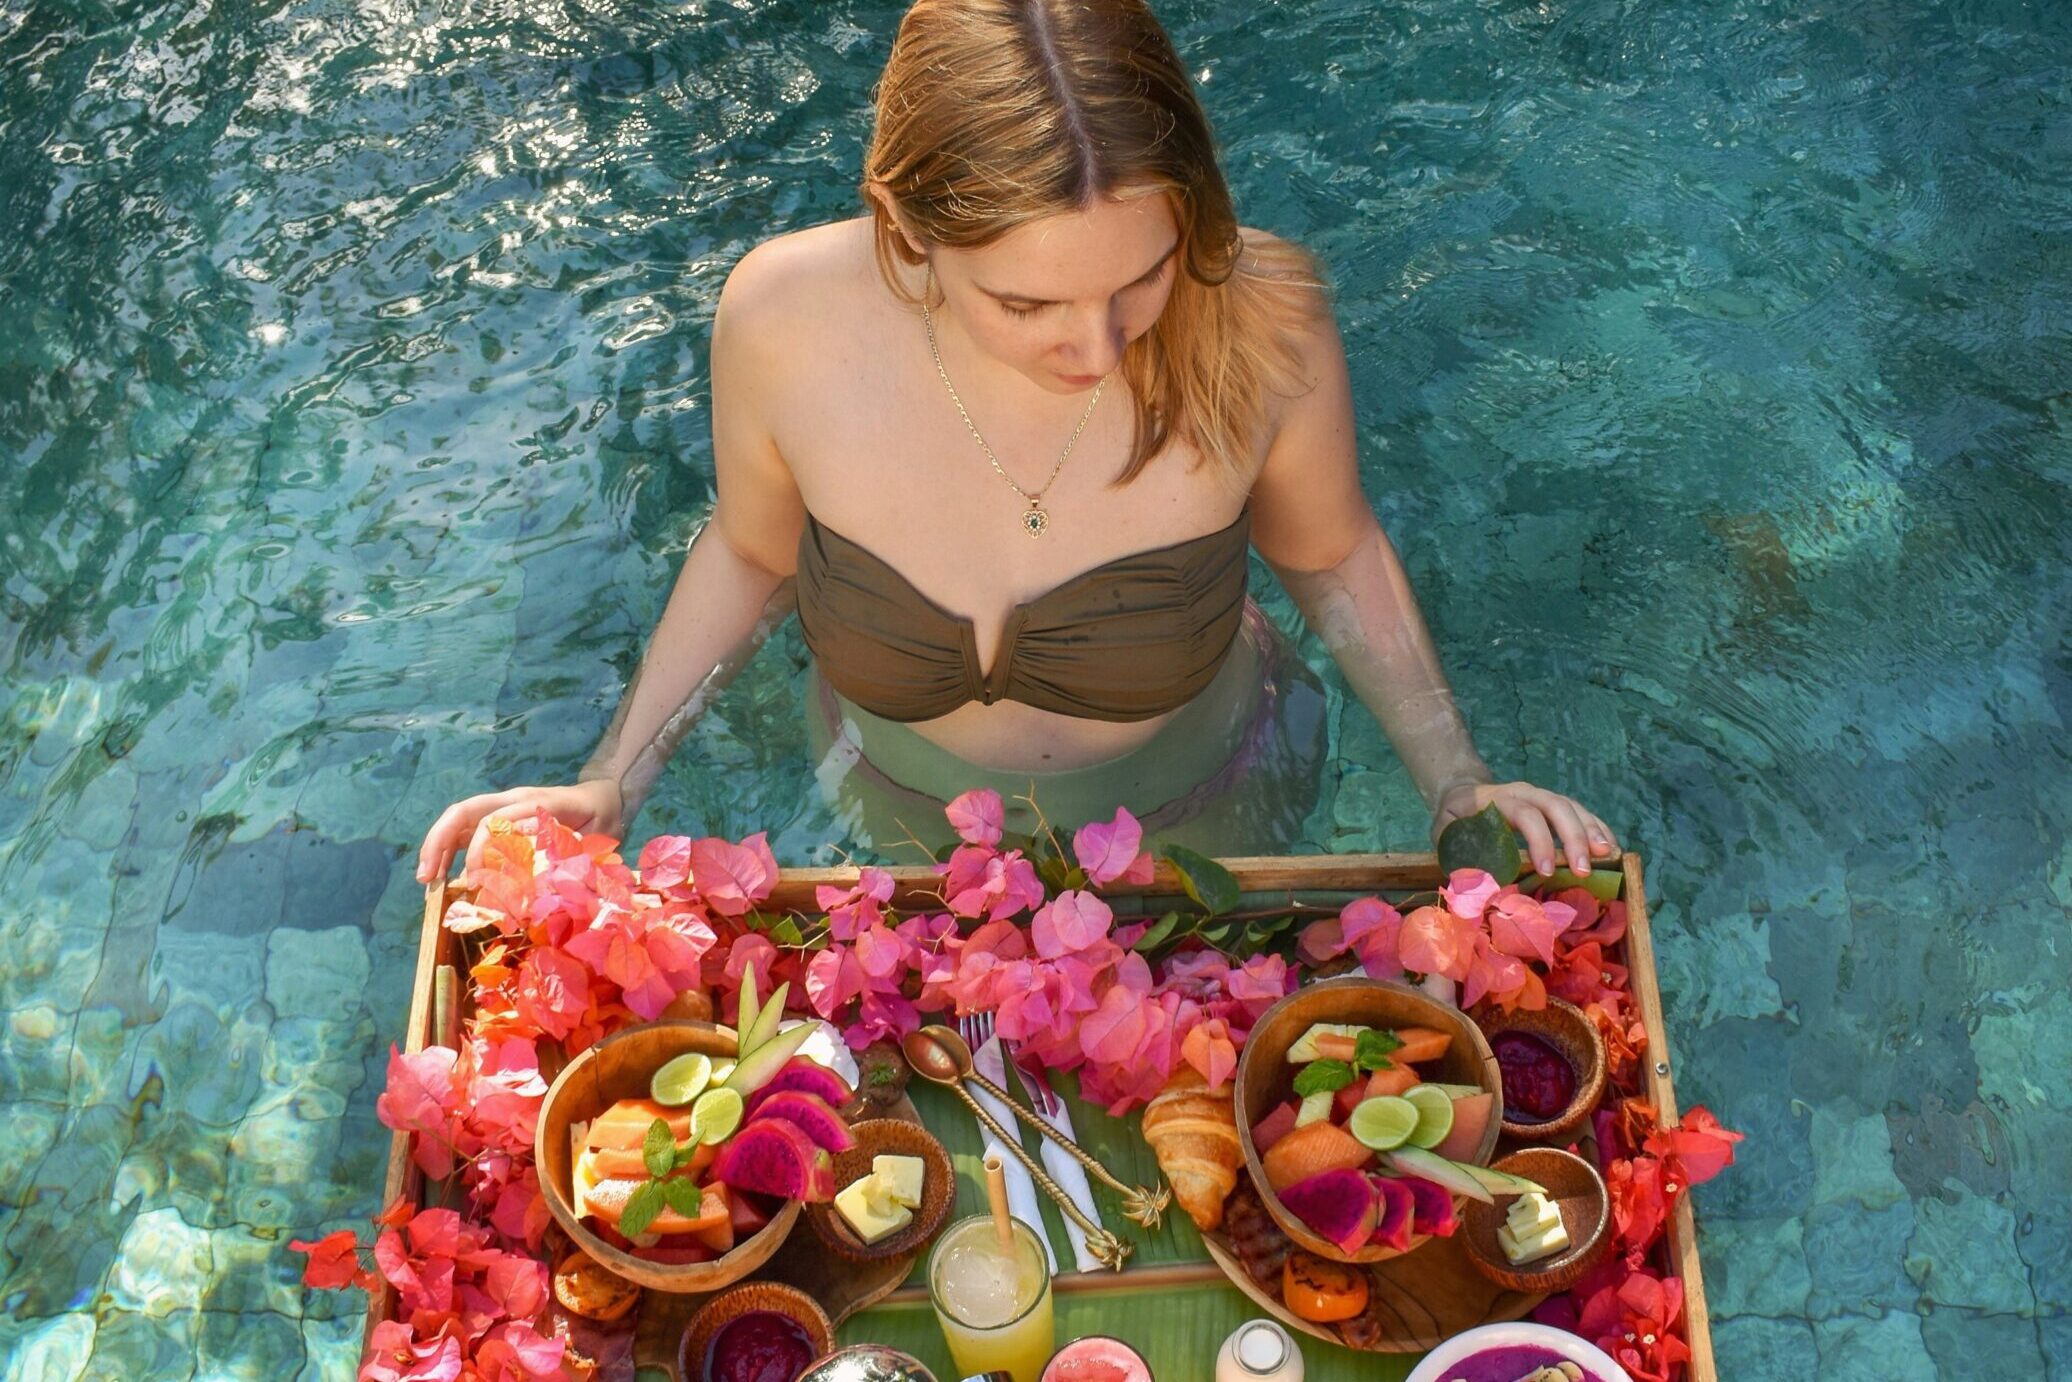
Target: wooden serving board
x=1435, y=1281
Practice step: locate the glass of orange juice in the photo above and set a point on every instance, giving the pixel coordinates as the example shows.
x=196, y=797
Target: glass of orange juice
x=993, y=1302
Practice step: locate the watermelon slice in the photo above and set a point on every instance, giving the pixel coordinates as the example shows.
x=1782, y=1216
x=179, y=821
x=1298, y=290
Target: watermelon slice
x=1273, y=1127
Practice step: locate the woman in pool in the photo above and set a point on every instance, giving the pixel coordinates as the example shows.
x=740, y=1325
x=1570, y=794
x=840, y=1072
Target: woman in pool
x=1004, y=442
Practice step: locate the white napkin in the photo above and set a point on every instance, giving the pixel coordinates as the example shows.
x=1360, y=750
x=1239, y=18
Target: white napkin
x=1021, y=1191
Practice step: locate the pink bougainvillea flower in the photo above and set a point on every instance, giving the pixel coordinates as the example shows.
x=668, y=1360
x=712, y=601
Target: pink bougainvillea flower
x=732, y=878
x=977, y=816
x=1491, y=972
x=1434, y=940
x=393, y=1355
x=1524, y=927
x=1111, y=850
x=977, y=881
x=1072, y=921
x=517, y=1352
x=1468, y=892
x=1208, y=1047
x=851, y=909
x=1697, y=1149
x=1321, y=942
x=421, y=1099
x=1373, y=930
x=552, y=992
x=1259, y=983
x=520, y=1213
x=665, y=863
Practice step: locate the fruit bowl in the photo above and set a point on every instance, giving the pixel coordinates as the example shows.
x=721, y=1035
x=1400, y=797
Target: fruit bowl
x=1265, y=1075
x=620, y=1067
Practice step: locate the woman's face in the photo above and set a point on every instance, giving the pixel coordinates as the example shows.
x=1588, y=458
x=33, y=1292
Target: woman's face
x=1058, y=299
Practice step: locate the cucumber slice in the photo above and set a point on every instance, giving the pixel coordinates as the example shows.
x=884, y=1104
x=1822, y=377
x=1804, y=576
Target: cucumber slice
x=1415, y=1161
x=1315, y=1108
x=767, y=1019
x=1503, y=1182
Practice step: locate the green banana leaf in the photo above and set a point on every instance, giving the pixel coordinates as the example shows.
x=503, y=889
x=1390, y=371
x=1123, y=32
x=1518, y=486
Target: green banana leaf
x=1177, y=1330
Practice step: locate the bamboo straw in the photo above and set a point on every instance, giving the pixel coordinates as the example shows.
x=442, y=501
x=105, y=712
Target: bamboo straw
x=996, y=1195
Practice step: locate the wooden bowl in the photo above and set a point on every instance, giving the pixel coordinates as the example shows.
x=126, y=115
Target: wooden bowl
x=1586, y=1212
x=889, y=1137
x=723, y=1309
x=1566, y=1028
x=616, y=1068
x=1263, y=1075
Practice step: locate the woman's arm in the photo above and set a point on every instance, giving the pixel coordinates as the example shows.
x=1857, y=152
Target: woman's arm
x=734, y=588
x=1314, y=526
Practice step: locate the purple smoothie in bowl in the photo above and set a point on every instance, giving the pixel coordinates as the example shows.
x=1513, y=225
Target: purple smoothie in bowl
x=1509, y=1352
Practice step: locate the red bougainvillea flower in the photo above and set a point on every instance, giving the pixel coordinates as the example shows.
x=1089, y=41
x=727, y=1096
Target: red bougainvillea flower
x=1640, y=1200
x=1636, y=1323
x=334, y=1261
x=1110, y=850
x=1583, y=975
x=1696, y=1150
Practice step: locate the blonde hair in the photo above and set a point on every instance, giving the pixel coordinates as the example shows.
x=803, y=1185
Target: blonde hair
x=995, y=113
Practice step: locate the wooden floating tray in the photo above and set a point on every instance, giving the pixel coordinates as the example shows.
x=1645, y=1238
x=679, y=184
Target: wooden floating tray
x=1433, y=1290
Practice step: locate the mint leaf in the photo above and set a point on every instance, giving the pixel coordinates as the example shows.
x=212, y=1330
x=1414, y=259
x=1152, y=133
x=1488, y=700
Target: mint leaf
x=1371, y=1050
x=1204, y=880
x=642, y=1206
x=658, y=1149
x=1323, y=1077
x=683, y=1195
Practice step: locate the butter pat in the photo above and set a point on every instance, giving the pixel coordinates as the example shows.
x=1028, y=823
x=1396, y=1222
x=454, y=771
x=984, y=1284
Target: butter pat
x=902, y=1178
x=872, y=1216
x=1532, y=1229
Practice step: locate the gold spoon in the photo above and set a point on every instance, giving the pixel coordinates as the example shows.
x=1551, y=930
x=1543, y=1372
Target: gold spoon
x=1139, y=1206
x=936, y=1061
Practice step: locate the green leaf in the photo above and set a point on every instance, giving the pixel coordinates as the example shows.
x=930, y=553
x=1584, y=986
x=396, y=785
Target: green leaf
x=1206, y=881
x=658, y=1149
x=1481, y=841
x=683, y=1196
x=785, y=931
x=1161, y=931
x=642, y=1206
x=1222, y=934
x=1054, y=872
x=1320, y=1076
x=1371, y=1049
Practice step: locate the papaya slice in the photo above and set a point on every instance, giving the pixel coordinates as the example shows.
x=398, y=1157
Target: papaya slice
x=1393, y=1080
x=625, y=1124
x=1311, y=1150
x=1419, y=1044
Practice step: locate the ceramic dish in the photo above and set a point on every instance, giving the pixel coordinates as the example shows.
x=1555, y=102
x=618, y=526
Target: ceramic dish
x=1577, y=1190
x=1447, y=1361
x=1575, y=1038
x=889, y=1137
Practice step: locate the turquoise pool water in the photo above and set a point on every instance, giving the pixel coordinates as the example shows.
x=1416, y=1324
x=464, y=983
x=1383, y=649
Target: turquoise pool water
x=1714, y=379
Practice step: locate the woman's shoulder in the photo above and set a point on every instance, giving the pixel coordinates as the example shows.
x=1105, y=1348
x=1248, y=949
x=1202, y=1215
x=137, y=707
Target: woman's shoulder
x=790, y=283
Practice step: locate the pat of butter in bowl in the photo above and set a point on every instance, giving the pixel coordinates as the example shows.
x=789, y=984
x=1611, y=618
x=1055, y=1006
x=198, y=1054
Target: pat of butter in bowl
x=1532, y=1229
x=883, y=1202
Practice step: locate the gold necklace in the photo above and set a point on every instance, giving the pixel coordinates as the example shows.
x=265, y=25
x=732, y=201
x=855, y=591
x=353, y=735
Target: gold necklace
x=1037, y=518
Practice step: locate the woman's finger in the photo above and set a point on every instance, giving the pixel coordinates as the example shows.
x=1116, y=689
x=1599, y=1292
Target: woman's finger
x=1567, y=819
x=1602, y=841
x=1533, y=826
x=435, y=856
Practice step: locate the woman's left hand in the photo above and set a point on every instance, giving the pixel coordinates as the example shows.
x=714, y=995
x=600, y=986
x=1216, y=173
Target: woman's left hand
x=1539, y=815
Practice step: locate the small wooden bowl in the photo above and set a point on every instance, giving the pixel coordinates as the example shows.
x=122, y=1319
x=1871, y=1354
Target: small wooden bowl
x=1563, y=1026
x=616, y=1068
x=728, y=1306
x=1262, y=1074
x=1586, y=1212
x=889, y=1137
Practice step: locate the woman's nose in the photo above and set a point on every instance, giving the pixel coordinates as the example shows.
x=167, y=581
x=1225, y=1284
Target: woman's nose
x=1098, y=342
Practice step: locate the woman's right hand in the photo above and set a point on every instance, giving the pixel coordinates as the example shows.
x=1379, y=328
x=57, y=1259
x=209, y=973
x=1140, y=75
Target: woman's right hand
x=591, y=807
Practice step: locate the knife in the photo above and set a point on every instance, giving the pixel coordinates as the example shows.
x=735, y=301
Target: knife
x=1021, y=1191
x=1068, y=1173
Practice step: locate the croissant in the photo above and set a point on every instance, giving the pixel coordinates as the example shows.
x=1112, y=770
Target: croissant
x=1192, y=1130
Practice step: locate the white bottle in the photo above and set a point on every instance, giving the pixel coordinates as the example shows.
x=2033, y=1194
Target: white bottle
x=1259, y=1351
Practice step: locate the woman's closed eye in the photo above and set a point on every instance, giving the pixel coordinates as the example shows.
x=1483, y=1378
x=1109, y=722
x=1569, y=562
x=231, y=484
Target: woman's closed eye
x=1030, y=309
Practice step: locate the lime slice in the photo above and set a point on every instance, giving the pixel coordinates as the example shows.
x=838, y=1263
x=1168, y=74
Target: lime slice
x=715, y=1116
x=1434, y=1114
x=1383, y=1122
x=682, y=1079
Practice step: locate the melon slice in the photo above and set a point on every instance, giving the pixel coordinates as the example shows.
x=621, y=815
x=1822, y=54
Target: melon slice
x=1470, y=1120
x=624, y=1125
x=1420, y=1044
x=1311, y=1150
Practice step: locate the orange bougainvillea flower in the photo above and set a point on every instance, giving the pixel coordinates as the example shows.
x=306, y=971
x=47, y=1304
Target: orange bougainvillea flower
x=1640, y=1203
x=1696, y=1150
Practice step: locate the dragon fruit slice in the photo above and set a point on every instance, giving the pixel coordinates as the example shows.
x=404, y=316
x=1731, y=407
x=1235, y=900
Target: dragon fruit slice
x=1392, y=1230
x=808, y=1076
x=1341, y=1206
x=812, y=1115
x=775, y=1157
x=1434, y=1213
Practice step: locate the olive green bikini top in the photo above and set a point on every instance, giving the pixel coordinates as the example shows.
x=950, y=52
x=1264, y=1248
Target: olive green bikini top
x=1130, y=639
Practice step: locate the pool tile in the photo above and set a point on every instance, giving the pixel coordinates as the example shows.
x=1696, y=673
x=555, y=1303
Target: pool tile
x=1852, y=1157
x=51, y=1349
x=161, y=1265
x=331, y=1347
x=1963, y=1253
x=1759, y=1347
x=1855, y=1258
x=1873, y=1348
x=320, y=974
x=1959, y=1339
x=130, y=1345
x=1718, y=969
x=1754, y=1266
x=256, y=1345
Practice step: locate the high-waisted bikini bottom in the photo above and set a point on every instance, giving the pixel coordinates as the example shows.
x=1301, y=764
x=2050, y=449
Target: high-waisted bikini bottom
x=1234, y=771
